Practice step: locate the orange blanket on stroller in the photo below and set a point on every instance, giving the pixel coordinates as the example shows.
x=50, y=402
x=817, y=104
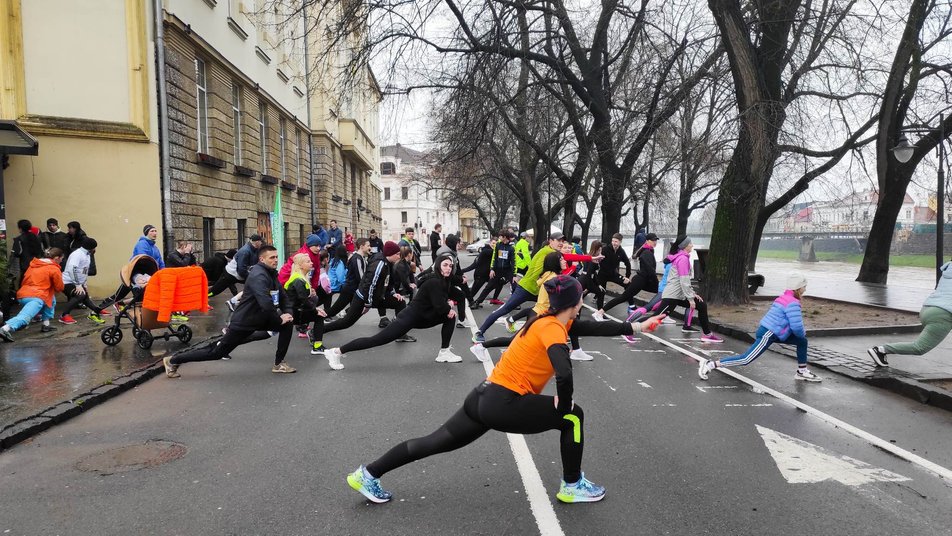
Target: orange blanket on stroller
x=176, y=289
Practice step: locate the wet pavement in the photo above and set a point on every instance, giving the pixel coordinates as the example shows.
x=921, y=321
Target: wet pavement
x=41, y=370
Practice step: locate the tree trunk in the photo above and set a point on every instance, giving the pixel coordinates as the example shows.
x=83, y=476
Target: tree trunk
x=875, y=267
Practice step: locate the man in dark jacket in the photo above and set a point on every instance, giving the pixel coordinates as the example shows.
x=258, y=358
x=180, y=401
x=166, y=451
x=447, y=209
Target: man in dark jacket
x=608, y=268
x=26, y=247
x=376, y=244
x=646, y=278
x=181, y=256
x=54, y=237
x=503, y=265
x=214, y=266
x=436, y=241
x=334, y=236
x=236, y=270
x=409, y=240
x=374, y=290
x=264, y=307
x=480, y=268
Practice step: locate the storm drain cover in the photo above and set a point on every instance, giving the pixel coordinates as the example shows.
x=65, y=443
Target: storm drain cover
x=152, y=453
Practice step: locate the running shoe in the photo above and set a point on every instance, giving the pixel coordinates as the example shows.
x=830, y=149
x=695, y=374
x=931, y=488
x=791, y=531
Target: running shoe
x=67, y=319
x=117, y=307
x=511, y=325
x=582, y=491
x=368, y=487
x=494, y=301
x=231, y=303
x=478, y=337
x=476, y=305
x=668, y=320
x=96, y=318
x=47, y=328
x=446, y=355
x=630, y=339
x=636, y=314
x=333, y=355
x=171, y=370
x=710, y=337
x=580, y=355
x=687, y=329
x=704, y=368
x=480, y=352
x=104, y=312
x=461, y=324
x=878, y=354
x=317, y=348
x=406, y=338
x=179, y=318
x=807, y=376
x=5, y=335
x=384, y=322
x=599, y=316
x=302, y=334
x=283, y=368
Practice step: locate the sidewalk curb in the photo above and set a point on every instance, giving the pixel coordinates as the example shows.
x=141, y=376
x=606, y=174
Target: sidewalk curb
x=28, y=427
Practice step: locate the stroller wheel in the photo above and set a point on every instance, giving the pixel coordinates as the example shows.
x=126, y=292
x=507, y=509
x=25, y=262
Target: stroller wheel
x=184, y=333
x=145, y=339
x=111, y=335
x=135, y=332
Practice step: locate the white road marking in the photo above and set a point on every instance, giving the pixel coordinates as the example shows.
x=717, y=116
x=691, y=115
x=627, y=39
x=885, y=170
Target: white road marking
x=645, y=385
x=539, y=503
x=706, y=388
x=801, y=462
x=608, y=357
x=829, y=419
x=765, y=405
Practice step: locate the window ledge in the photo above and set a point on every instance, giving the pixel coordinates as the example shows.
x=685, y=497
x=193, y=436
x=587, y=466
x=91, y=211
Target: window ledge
x=270, y=179
x=284, y=78
x=235, y=27
x=263, y=55
x=287, y=185
x=244, y=171
x=211, y=3
x=210, y=161
x=303, y=191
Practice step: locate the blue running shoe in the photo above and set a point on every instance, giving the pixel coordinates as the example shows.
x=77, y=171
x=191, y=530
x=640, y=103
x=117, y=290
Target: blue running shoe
x=582, y=491
x=369, y=487
x=478, y=338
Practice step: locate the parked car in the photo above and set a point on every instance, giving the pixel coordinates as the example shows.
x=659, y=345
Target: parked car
x=476, y=246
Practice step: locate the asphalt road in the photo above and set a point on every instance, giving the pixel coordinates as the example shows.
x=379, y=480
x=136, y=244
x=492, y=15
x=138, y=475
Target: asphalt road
x=267, y=453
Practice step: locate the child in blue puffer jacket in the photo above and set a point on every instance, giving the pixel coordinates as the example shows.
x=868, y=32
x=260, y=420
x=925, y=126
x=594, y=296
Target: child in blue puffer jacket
x=782, y=323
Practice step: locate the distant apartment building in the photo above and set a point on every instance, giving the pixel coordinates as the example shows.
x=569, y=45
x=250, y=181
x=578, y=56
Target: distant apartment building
x=407, y=201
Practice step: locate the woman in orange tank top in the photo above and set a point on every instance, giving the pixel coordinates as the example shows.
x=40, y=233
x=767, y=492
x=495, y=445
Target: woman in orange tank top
x=510, y=400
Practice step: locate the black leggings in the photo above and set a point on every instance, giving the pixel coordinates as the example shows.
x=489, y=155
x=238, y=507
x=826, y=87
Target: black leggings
x=637, y=284
x=343, y=300
x=667, y=305
x=590, y=285
x=75, y=299
x=495, y=286
x=409, y=318
x=226, y=281
x=356, y=309
x=587, y=328
x=305, y=317
x=493, y=407
x=236, y=337
x=478, y=281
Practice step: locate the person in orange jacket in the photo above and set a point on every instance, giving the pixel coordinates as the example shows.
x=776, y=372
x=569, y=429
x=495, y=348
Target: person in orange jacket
x=37, y=294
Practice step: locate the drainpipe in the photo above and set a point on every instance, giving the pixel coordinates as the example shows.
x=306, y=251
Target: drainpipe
x=164, y=169
x=310, y=137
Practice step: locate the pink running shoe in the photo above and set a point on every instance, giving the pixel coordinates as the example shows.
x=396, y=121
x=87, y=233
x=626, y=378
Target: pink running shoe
x=710, y=337
x=630, y=339
x=636, y=314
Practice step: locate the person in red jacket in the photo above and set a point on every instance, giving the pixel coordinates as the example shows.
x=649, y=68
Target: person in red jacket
x=37, y=294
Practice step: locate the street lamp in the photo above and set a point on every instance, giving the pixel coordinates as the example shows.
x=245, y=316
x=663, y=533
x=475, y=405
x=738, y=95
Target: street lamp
x=903, y=152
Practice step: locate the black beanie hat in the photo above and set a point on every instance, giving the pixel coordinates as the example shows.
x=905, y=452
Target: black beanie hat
x=89, y=244
x=564, y=292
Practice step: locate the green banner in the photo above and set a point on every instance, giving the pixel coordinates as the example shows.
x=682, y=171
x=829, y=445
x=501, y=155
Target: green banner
x=277, y=226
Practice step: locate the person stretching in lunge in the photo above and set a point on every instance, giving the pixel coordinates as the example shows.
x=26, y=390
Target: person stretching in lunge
x=264, y=307
x=782, y=323
x=510, y=400
x=679, y=291
x=432, y=305
x=304, y=299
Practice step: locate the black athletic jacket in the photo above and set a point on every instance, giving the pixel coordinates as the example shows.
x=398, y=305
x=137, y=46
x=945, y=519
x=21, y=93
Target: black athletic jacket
x=256, y=309
x=430, y=299
x=609, y=265
x=356, y=265
x=480, y=266
x=373, y=286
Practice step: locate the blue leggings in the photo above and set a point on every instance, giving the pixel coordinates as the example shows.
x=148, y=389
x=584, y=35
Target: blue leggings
x=31, y=308
x=517, y=298
x=764, y=339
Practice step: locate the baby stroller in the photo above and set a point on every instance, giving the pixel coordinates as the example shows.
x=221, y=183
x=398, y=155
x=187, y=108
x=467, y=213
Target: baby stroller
x=142, y=319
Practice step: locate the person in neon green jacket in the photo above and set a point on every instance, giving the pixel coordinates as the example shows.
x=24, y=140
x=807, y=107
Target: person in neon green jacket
x=523, y=253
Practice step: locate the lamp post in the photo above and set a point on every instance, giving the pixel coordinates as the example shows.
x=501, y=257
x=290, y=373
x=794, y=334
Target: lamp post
x=903, y=152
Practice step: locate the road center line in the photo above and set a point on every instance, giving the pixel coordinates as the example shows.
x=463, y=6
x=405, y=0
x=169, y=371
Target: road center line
x=862, y=434
x=539, y=503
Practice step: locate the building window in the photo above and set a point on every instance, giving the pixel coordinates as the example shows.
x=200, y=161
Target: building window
x=908, y=214
x=282, y=137
x=388, y=168
x=263, y=134
x=403, y=217
x=236, y=119
x=386, y=194
x=202, y=105
x=208, y=238
x=300, y=158
x=405, y=192
x=242, y=226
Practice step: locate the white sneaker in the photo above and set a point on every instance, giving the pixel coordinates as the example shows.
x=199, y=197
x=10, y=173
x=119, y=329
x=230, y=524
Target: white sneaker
x=580, y=355
x=333, y=355
x=480, y=352
x=599, y=317
x=705, y=367
x=807, y=376
x=446, y=355
x=461, y=324
x=668, y=320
